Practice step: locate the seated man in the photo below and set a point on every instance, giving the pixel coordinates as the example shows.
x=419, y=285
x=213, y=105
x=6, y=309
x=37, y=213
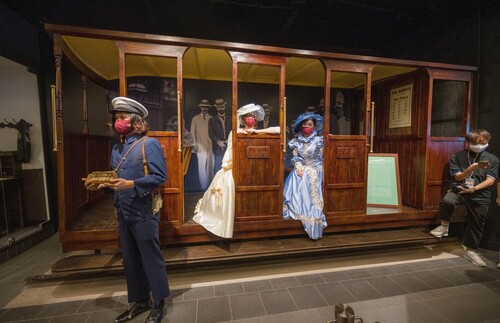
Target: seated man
x=474, y=171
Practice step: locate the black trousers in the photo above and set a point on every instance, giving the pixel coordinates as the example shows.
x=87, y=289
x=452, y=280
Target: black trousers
x=476, y=216
x=144, y=265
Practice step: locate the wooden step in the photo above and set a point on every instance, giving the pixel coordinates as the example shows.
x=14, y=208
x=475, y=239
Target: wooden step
x=220, y=254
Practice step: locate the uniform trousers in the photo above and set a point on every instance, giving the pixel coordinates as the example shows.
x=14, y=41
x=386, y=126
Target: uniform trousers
x=144, y=265
x=476, y=216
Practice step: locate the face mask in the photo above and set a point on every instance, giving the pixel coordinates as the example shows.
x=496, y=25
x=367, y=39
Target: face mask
x=123, y=127
x=250, y=122
x=478, y=148
x=306, y=131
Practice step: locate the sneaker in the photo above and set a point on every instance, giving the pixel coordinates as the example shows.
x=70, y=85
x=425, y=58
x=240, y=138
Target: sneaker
x=474, y=258
x=441, y=231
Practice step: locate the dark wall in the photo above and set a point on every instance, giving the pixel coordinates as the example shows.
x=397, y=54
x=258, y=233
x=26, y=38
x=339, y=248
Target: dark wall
x=18, y=39
x=488, y=113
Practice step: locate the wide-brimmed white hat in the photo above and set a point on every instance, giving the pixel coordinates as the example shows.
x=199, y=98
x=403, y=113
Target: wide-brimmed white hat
x=256, y=110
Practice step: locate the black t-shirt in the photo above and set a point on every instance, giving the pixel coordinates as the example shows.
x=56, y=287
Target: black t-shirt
x=463, y=159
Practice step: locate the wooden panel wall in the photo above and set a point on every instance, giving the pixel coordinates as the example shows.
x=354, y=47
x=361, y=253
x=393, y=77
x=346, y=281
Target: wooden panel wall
x=344, y=178
x=171, y=213
x=82, y=154
x=408, y=142
x=438, y=168
x=259, y=185
x=75, y=169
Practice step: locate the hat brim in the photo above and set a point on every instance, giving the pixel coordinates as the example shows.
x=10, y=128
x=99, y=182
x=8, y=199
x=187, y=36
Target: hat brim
x=307, y=116
x=124, y=104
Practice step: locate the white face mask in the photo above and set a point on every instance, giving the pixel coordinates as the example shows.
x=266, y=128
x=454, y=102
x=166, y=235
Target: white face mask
x=478, y=148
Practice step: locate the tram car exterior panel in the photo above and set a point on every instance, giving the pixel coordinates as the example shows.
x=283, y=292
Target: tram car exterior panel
x=171, y=75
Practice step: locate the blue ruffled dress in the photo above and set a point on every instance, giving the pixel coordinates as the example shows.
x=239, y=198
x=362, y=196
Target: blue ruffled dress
x=303, y=196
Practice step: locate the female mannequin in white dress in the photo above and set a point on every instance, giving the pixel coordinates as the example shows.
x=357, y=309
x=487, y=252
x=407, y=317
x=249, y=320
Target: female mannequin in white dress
x=215, y=210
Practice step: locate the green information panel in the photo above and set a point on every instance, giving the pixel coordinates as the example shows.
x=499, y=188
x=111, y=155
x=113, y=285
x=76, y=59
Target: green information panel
x=383, y=181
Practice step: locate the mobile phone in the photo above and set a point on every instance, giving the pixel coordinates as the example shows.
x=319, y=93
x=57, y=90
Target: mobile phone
x=484, y=162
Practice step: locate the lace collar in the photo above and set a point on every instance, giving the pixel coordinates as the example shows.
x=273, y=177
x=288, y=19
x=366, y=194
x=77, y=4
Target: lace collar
x=301, y=137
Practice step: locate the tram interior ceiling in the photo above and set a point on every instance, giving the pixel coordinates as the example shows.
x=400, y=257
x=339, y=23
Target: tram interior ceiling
x=368, y=105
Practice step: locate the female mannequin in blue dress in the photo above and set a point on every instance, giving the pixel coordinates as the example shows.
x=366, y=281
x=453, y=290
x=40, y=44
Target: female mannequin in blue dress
x=303, y=195
x=215, y=210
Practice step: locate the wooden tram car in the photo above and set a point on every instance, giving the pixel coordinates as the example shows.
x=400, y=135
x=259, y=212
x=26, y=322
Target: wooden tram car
x=432, y=127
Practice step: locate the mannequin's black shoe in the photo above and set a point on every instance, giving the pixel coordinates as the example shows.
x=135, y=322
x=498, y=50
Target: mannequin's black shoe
x=133, y=311
x=156, y=314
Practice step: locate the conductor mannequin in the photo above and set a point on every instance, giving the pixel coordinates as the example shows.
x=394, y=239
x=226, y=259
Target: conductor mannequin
x=144, y=265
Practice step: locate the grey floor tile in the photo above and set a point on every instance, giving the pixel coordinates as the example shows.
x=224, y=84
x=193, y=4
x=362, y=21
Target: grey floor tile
x=440, y=263
x=229, y=289
x=449, y=309
x=458, y=261
x=278, y=301
x=361, y=289
x=98, y=304
x=59, y=309
x=122, y=302
x=257, y=286
x=402, y=313
x=181, y=312
x=326, y=314
x=198, y=292
x=284, y=282
x=410, y=282
x=484, y=306
x=306, y=297
x=335, y=293
x=75, y=318
x=22, y=313
x=386, y=286
x=422, y=265
x=358, y=273
x=107, y=316
x=335, y=276
x=456, y=277
x=380, y=271
x=310, y=279
x=294, y=317
x=248, y=320
x=246, y=305
x=432, y=279
x=176, y=295
x=478, y=274
x=215, y=309
x=401, y=268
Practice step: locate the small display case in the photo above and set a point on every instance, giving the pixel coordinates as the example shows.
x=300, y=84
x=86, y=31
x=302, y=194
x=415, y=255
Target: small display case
x=9, y=165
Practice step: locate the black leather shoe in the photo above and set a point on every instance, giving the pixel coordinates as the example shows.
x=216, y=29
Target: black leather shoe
x=133, y=311
x=156, y=314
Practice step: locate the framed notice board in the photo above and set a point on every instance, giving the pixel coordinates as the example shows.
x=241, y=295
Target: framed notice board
x=384, y=188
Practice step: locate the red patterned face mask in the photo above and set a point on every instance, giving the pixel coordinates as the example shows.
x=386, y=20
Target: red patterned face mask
x=307, y=131
x=250, y=122
x=123, y=127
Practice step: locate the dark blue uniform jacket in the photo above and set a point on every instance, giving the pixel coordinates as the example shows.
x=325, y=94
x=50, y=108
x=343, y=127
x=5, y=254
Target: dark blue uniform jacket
x=135, y=204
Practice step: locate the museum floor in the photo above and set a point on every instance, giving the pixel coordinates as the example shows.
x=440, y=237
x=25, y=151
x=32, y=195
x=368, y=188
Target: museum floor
x=422, y=284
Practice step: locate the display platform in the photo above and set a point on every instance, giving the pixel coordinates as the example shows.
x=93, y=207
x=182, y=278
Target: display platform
x=203, y=256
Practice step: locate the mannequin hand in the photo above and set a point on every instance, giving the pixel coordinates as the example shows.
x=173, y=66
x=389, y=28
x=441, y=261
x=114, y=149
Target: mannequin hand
x=119, y=184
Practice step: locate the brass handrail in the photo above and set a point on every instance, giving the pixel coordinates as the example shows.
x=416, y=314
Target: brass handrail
x=54, y=117
x=179, y=122
x=372, y=124
x=284, y=123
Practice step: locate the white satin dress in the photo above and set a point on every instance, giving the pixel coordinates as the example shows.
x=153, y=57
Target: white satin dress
x=215, y=210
